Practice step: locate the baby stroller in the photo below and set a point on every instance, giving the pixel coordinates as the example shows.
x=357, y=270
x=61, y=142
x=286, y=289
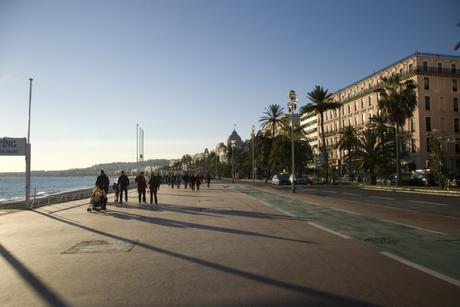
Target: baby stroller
x=98, y=200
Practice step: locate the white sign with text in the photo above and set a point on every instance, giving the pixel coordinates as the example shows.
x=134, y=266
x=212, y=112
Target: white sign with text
x=12, y=146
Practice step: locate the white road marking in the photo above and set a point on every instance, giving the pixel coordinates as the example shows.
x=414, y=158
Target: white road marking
x=381, y=197
x=329, y=230
x=285, y=212
x=427, y=203
x=328, y=191
x=346, y=211
x=351, y=194
x=415, y=227
x=423, y=269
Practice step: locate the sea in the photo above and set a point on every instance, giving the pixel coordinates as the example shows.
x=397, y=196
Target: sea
x=13, y=188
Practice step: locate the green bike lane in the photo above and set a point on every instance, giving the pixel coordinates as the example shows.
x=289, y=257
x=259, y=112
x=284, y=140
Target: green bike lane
x=436, y=252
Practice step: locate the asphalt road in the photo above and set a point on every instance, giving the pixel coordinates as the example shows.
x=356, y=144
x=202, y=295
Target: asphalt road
x=230, y=245
x=429, y=203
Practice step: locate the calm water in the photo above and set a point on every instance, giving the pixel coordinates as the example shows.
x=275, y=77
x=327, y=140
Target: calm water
x=13, y=188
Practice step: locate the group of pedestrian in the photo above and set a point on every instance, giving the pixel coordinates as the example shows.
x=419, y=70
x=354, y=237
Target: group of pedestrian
x=152, y=185
x=193, y=181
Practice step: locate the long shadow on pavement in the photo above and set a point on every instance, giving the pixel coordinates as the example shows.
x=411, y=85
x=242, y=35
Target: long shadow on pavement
x=181, y=224
x=47, y=294
x=314, y=297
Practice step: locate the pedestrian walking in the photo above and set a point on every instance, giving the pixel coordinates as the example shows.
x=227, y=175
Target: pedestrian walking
x=103, y=182
x=208, y=179
x=186, y=179
x=192, y=181
x=173, y=180
x=141, y=186
x=198, y=182
x=116, y=190
x=123, y=184
x=178, y=180
x=154, y=185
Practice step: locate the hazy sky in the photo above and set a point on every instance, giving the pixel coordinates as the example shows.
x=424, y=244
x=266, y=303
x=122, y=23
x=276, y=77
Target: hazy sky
x=186, y=71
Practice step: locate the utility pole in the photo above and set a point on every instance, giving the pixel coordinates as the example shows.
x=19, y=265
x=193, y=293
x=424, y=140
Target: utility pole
x=28, y=149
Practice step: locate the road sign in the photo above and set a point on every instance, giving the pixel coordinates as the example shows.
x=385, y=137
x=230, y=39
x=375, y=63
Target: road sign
x=12, y=146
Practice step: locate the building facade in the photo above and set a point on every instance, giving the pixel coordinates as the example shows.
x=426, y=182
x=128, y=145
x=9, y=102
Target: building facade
x=437, y=79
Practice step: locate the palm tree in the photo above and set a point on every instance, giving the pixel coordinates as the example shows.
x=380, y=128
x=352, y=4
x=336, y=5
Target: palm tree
x=348, y=141
x=397, y=103
x=321, y=102
x=369, y=152
x=273, y=118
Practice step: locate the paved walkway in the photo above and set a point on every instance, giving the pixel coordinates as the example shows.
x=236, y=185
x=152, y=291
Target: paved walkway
x=216, y=247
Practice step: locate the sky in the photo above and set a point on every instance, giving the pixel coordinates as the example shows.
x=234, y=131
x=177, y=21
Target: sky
x=187, y=71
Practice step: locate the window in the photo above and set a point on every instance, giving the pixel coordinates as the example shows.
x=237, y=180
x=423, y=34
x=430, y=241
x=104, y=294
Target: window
x=453, y=68
x=439, y=67
x=369, y=100
x=456, y=126
x=454, y=85
x=427, y=103
x=349, y=111
x=457, y=148
x=426, y=83
x=413, y=146
x=412, y=125
x=428, y=149
x=428, y=124
x=425, y=66
x=356, y=120
x=363, y=117
x=410, y=67
x=362, y=103
x=400, y=71
x=356, y=106
x=455, y=104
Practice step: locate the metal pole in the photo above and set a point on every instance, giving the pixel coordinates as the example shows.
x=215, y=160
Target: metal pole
x=137, y=148
x=28, y=149
x=292, y=141
x=253, y=164
x=233, y=173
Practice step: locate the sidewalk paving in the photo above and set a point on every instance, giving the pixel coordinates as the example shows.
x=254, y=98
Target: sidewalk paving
x=215, y=247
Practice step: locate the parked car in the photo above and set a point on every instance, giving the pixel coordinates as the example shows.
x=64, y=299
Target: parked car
x=299, y=179
x=421, y=177
x=280, y=179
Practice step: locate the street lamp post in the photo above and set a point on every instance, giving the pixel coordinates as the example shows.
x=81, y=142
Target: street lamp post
x=28, y=149
x=206, y=155
x=292, y=105
x=253, y=133
x=232, y=144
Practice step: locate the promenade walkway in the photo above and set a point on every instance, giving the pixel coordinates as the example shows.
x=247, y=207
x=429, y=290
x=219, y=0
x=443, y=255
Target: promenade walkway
x=214, y=247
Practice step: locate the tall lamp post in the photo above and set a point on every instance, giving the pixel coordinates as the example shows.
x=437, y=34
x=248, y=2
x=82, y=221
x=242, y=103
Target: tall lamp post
x=28, y=149
x=292, y=105
x=206, y=155
x=253, y=134
x=232, y=144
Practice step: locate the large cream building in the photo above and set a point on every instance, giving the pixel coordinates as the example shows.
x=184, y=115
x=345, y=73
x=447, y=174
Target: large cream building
x=437, y=80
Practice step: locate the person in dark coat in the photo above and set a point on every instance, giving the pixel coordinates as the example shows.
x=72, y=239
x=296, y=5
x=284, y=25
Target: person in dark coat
x=178, y=180
x=141, y=186
x=173, y=180
x=198, y=182
x=186, y=179
x=116, y=190
x=192, y=181
x=123, y=184
x=154, y=185
x=208, y=179
x=103, y=182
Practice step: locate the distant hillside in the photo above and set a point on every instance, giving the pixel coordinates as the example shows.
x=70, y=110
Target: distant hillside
x=113, y=168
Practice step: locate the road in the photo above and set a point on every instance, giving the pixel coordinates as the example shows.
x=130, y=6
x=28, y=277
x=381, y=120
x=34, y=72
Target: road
x=231, y=245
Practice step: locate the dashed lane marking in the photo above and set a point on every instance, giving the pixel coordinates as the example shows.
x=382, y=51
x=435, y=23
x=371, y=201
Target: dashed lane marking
x=351, y=194
x=329, y=230
x=422, y=268
x=427, y=203
x=285, y=212
x=328, y=191
x=381, y=197
x=346, y=211
x=415, y=227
